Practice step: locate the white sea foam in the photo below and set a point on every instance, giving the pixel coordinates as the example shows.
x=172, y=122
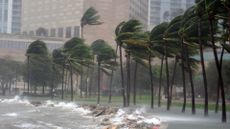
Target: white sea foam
x=16, y=100
x=10, y=114
x=67, y=106
x=27, y=126
x=137, y=115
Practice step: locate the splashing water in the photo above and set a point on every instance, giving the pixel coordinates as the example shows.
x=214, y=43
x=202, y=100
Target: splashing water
x=16, y=99
x=10, y=114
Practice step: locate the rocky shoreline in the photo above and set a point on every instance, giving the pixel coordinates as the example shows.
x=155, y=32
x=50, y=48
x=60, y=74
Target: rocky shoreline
x=117, y=118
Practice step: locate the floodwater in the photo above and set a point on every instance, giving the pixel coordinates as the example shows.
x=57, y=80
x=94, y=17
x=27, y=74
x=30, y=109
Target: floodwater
x=20, y=114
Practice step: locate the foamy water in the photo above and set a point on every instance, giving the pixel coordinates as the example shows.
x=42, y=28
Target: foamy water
x=10, y=114
x=16, y=99
x=21, y=114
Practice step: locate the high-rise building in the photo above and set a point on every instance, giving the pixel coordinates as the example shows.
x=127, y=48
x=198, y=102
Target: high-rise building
x=14, y=46
x=54, y=18
x=61, y=18
x=112, y=13
x=10, y=16
x=139, y=9
x=165, y=10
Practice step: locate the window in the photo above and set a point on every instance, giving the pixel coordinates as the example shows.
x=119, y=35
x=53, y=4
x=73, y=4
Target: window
x=53, y=32
x=68, y=32
x=31, y=33
x=60, y=32
x=76, y=31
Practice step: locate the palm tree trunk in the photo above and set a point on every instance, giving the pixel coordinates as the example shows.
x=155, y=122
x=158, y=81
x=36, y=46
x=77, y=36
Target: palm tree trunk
x=43, y=89
x=191, y=80
x=151, y=82
x=111, y=79
x=62, y=84
x=128, y=77
x=28, y=74
x=24, y=86
x=81, y=85
x=160, y=81
x=91, y=82
x=82, y=31
x=134, y=83
x=122, y=78
x=52, y=82
x=203, y=69
x=66, y=81
x=173, y=79
x=99, y=80
x=167, y=78
x=110, y=86
x=71, y=80
x=86, y=81
x=183, y=76
x=218, y=86
x=224, y=117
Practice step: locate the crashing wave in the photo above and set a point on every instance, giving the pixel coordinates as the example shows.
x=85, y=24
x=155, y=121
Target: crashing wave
x=16, y=100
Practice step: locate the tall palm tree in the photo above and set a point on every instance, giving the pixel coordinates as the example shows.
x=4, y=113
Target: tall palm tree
x=199, y=10
x=123, y=31
x=166, y=49
x=211, y=7
x=90, y=17
x=104, y=54
x=171, y=35
x=60, y=60
x=156, y=39
x=78, y=55
x=112, y=74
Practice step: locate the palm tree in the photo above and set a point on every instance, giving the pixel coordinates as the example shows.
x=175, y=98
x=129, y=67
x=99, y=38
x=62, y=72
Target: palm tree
x=211, y=7
x=104, y=54
x=166, y=50
x=200, y=13
x=77, y=55
x=139, y=46
x=90, y=17
x=171, y=35
x=59, y=60
x=121, y=32
x=112, y=74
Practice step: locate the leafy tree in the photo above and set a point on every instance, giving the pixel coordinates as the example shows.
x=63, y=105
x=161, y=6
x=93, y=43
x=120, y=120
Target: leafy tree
x=37, y=50
x=8, y=70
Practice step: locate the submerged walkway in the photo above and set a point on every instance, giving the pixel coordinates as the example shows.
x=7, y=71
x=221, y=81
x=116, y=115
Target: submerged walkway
x=174, y=119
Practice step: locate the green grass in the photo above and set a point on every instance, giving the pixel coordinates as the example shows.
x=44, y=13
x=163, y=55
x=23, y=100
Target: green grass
x=117, y=101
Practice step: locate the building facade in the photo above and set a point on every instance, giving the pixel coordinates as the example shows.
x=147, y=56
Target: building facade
x=15, y=46
x=112, y=13
x=10, y=16
x=139, y=9
x=165, y=10
x=61, y=18
x=53, y=18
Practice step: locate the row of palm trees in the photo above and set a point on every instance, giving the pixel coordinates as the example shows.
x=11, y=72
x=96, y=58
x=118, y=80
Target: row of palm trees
x=204, y=25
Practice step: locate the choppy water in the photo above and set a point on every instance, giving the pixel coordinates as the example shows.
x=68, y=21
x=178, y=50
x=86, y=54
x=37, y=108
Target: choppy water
x=20, y=114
